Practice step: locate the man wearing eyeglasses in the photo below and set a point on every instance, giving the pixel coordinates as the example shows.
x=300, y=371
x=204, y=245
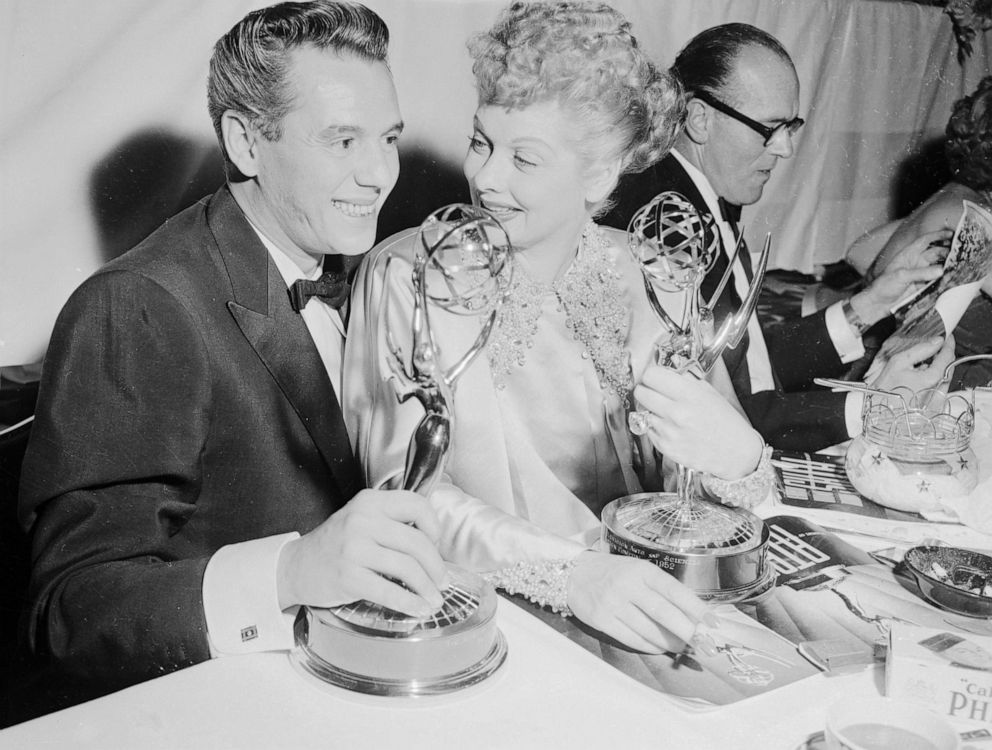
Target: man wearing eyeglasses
x=742, y=114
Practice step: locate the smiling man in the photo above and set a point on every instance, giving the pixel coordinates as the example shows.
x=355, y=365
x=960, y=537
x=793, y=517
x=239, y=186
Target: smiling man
x=189, y=480
x=742, y=113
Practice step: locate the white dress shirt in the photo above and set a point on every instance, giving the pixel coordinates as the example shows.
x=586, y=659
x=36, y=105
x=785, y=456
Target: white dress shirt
x=758, y=362
x=240, y=597
x=844, y=338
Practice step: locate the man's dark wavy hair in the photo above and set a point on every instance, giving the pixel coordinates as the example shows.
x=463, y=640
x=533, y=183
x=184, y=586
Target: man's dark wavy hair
x=250, y=62
x=968, y=147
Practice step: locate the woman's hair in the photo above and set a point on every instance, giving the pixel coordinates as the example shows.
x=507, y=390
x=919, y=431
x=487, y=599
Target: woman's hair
x=250, y=63
x=969, y=138
x=582, y=56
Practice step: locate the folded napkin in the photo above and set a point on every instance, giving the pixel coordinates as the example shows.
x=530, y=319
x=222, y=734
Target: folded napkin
x=975, y=509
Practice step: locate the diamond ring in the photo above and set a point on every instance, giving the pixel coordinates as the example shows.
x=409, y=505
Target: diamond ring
x=638, y=422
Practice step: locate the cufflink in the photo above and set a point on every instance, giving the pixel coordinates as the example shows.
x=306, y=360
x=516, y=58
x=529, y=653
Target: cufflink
x=249, y=634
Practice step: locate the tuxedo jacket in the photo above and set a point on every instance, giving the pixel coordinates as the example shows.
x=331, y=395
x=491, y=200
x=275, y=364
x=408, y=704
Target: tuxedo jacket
x=796, y=415
x=183, y=407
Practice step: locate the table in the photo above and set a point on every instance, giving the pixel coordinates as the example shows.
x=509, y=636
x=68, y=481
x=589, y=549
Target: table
x=550, y=693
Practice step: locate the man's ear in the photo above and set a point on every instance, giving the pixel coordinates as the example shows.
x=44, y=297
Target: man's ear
x=602, y=180
x=697, y=121
x=239, y=142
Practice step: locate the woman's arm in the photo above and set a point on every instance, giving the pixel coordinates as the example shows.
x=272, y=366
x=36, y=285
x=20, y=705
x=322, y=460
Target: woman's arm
x=942, y=211
x=692, y=423
x=864, y=250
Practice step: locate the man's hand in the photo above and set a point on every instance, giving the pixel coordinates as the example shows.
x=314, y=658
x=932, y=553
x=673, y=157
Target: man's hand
x=693, y=424
x=916, y=264
x=379, y=535
x=910, y=369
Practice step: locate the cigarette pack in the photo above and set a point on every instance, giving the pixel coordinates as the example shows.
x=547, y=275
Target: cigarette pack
x=948, y=671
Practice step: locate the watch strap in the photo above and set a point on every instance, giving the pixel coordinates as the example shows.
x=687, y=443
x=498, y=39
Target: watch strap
x=853, y=319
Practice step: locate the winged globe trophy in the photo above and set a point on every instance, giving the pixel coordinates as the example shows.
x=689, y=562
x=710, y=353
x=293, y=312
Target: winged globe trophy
x=461, y=265
x=719, y=552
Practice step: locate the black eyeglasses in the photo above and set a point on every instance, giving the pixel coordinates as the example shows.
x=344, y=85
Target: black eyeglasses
x=769, y=134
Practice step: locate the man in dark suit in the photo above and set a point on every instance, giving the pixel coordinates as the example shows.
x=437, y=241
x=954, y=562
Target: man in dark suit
x=742, y=112
x=189, y=481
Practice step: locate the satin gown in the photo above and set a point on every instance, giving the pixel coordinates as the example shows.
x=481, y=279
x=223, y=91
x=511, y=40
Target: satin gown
x=537, y=451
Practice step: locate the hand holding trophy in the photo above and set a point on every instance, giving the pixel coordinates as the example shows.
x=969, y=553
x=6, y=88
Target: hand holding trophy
x=461, y=265
x=675, y=246
x=717, y=551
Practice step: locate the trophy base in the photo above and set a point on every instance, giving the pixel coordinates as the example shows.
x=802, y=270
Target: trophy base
x=720, y=553
x=369, y=649
x=409, y=687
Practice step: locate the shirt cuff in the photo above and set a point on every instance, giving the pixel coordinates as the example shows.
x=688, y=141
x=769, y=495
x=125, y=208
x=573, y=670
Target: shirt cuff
x=847, y=343
x=853, y=406
x=241, y=599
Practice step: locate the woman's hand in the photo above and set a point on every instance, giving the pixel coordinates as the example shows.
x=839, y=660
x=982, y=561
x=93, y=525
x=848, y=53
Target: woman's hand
x=692, y=423
x=633, y=601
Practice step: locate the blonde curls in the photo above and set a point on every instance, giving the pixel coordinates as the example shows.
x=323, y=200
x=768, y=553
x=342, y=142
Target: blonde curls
x=582, y=56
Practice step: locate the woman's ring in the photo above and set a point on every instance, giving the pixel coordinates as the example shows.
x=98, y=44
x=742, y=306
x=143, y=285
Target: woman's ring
x=638, y=422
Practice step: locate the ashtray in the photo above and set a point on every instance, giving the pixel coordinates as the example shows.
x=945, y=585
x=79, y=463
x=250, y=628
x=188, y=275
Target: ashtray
x=370, y=649
x=959, y=580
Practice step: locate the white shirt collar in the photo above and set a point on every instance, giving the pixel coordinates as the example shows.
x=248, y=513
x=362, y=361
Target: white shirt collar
x=758, y=361
x=706, y=190
x=288, y=269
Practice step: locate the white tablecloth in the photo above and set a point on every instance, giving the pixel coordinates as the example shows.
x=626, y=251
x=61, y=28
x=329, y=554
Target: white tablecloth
x=550, y=693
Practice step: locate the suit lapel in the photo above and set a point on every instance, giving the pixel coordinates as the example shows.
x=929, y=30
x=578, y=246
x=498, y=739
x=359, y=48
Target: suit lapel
x=677, y=179
x=735, y=359
x=681, y=182
x=262, y=310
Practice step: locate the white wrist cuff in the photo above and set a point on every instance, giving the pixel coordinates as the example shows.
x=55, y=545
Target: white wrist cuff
x=848, y=344
x=241, y=598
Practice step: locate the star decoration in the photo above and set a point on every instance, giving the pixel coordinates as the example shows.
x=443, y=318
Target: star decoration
x=962, y=463
x=923, y=486
x=877, y=459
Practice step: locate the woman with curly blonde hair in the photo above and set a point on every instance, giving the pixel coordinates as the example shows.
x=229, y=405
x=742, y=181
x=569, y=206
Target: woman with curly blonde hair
x=567, y=103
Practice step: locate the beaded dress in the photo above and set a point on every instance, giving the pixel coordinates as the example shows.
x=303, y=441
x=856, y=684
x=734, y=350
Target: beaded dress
x=540, y=441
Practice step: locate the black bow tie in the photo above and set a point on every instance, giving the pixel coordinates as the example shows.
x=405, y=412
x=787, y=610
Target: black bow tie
x=731, y=213
x=332, y=287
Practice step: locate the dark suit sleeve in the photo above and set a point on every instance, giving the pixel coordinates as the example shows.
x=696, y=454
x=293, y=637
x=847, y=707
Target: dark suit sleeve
x=111, y=475
x=801, y=349
x=799, y=415
x=800, y=420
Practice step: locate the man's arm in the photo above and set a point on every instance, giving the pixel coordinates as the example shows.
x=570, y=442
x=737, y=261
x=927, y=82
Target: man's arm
x=110, y=479
x=802, y=349
x=798, y=421
x=820, y=345
x=131, y=493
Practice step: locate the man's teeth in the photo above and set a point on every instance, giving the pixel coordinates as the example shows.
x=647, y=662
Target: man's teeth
x=353, y=209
